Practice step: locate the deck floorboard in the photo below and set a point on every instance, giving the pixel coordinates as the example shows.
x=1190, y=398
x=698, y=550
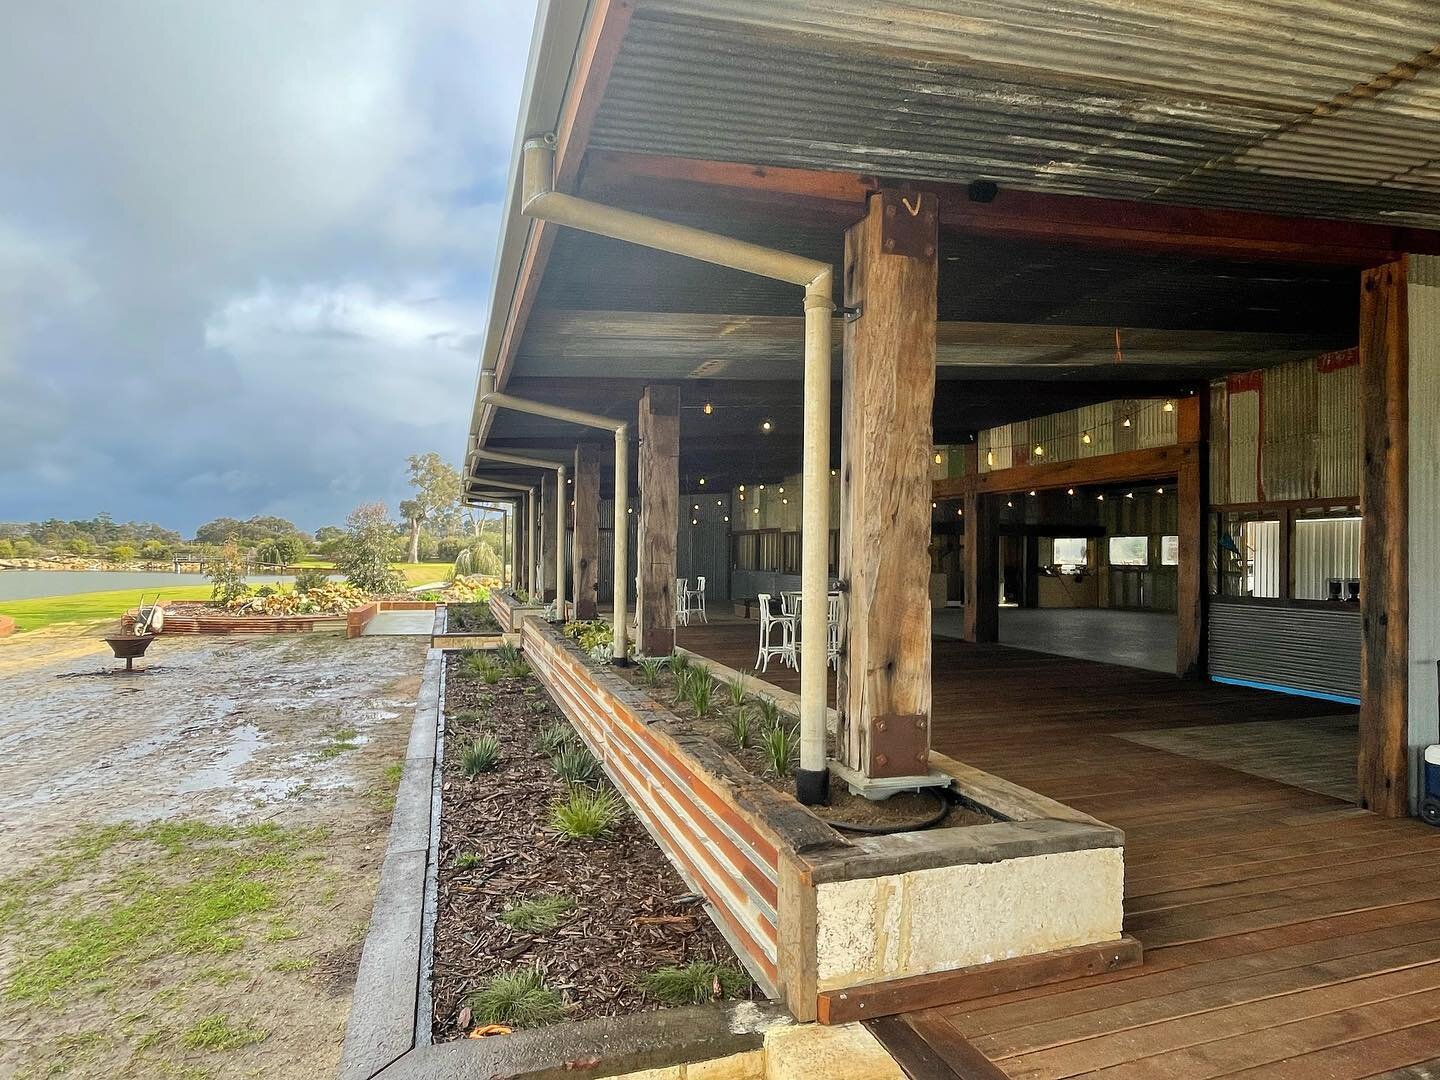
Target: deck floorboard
x=1287, y=933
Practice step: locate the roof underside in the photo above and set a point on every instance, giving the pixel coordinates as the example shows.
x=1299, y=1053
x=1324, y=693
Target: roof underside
x=1309, y=107
x=1293, y=107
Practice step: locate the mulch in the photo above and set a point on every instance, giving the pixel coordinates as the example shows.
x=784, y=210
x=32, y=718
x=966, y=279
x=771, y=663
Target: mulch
x=470, y=619
x=633, y=912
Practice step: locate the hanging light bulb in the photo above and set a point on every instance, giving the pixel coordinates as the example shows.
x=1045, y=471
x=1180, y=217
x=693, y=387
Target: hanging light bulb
x=756, y=510
x=785, y=501
x=695, y=507
x=629, y=509
x=719, y=502
x=1009, y=505
x=781, y=490
x=693, y=521
x=1169, y=406
x=1085, y=437
x=1069, y=491
x=1100, y=497
x=765, y=425
x=834, y=472
x=1039, y=450
x=1125, y=422
x=939, y=458
x=761, y=487
x=742, y=487
x=709, y=408
x=702, y=481
x=960, y=511
x=933, y=505
x=1032, y=494
x=742, y=496
x=1129, y=494
x=990, y=458
x=727, y=517
x=1159, y=491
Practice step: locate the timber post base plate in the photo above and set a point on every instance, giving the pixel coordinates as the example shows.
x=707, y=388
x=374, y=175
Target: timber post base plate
x=879, y=788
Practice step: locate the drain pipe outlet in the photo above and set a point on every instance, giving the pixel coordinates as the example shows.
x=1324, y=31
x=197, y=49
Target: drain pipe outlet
x=539, y=199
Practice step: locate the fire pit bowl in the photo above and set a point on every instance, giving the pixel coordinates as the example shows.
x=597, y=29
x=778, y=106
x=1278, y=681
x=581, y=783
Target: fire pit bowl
x=129, y=646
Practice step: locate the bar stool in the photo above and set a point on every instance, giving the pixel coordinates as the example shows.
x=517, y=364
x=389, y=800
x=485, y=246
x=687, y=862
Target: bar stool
x=698, y=598
x=682, y=601
x=769, y=619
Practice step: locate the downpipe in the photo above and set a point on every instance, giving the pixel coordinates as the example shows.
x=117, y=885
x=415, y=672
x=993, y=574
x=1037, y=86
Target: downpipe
x=540, y=200
x=620, y=558
x=535, y=559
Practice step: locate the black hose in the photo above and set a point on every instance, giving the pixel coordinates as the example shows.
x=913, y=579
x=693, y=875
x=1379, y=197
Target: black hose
x=887, y=830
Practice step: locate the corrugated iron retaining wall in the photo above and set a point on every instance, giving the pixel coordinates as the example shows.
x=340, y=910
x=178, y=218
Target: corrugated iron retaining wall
x=1309, y=648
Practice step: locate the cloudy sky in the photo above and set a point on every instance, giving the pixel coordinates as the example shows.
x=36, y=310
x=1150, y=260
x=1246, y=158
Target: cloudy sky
x=245, y=248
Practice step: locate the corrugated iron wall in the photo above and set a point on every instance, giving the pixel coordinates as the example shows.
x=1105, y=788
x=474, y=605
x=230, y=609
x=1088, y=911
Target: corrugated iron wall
x=1090, y=431
x=1424, y=490
x=1288, y=433
x=1302, y=648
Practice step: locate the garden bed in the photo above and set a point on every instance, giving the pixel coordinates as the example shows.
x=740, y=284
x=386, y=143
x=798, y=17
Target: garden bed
x=511, y=610
x=836, y=925
x=620, y=912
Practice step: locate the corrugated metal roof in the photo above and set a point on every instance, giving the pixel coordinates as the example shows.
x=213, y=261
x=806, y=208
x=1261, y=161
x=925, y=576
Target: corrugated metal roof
x=1315, y=108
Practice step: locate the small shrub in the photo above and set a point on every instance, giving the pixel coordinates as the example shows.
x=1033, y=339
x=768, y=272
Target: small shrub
x=538, y=706
x=769, y=712
x=467, y=860
x=481, y=755
x=477, y=665
x=694, y=984
x=699, y=692
x=553, y=737
x=586, y=813
x=574, y=763
x=678, y=662
x=227, y=573
x=740, y=726
x=538, y=914
x=738, y=696
x=518, y=670
x=507, y=654
x=779, y=744
x=650, y=670
x=519, y=999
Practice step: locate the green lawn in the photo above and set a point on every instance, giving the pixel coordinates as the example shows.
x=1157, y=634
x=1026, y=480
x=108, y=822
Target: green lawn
x=92, y=607
x=96, y=607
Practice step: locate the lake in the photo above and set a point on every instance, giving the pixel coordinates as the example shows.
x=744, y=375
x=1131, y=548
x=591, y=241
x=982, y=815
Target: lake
x=27, y=584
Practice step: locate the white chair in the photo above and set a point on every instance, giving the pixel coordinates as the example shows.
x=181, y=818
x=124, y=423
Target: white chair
x=697, y=600
x=682, y=601
x=835, y=628
x=769, y=620
x=790, y=607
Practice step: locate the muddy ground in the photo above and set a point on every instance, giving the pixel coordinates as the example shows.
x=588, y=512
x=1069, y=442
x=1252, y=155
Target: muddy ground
x=190, y=855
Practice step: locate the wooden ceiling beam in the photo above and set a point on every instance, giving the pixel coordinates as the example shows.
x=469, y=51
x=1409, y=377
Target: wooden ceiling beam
x=839, y=198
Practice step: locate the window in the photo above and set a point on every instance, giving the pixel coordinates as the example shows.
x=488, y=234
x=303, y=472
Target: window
x=1129, y=551
x=1248, y=543
x=1071, y=551
x=791, y=562
x=1326, y=554
x=1169, y=551
x=769, y=550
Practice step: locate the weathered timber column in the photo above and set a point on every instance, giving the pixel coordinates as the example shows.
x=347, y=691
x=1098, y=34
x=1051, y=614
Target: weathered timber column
x=982, y=560
x=883, y=695
x=585, y=544
x=1191, y=428
x=549, y=508
x=532, y=542
x=1389, y=716
x=659, y=431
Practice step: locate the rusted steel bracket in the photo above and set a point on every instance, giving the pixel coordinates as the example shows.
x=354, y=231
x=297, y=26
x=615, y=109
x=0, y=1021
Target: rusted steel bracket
x=909, y=223
x=899, y=745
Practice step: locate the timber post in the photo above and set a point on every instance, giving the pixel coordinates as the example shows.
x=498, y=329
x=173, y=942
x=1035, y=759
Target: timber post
x=585, y=543
x=883, y=695
x=659, y=469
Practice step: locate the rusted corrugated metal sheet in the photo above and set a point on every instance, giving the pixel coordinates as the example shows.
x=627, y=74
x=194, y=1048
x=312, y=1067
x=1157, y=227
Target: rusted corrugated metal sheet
x=1324, y=109
x=1288, y=433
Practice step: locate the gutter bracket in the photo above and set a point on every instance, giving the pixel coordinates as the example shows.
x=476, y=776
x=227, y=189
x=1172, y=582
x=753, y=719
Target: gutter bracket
x=851, y=313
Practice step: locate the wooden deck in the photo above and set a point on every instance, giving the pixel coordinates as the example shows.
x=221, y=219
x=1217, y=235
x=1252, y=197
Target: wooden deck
x=1287, y=933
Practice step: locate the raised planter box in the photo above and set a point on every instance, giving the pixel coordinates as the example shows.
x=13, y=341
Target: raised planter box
x=441, y=637
x=196, y=621
x=509, y=612
x=838, y=927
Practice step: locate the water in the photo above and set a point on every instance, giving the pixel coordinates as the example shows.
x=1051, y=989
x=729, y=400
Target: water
x=27, y=584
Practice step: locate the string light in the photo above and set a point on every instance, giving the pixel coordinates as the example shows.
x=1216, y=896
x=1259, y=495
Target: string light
x=1125, y=422
x=1159, y=491
x=834, y=472
x=629, y=509
x=761, y=488
x=756, y=510
x=781, y=490
x=702, y=481
x=765, y=425
x=1085, y=437
x=785, y=501
x=709, y=408
x=1169, y=406
x=1009, y=505
x=1129, y=494
x=719, y=502
x=960, y=512
x=933, y=505
x=1100, y=497
x=1032, y=494
x=990, y=458
x=727, y=517
x=1069, y=491
x=1039, y=450
x=742, y=487
x=939, y=458
x=694, y=521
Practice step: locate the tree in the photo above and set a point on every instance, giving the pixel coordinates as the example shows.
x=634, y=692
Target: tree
x=280, y=550
x=437, y=498
x=122, y=553
x=227, y=573
x=77, y=545
x=370, y=545
x=7, y=549
x=155, y=551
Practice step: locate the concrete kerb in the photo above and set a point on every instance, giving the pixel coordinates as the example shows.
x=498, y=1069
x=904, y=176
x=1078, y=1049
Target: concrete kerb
x=388, y=1030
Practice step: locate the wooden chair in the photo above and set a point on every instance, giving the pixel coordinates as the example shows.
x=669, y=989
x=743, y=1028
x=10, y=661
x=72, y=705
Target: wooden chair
x=682, y=601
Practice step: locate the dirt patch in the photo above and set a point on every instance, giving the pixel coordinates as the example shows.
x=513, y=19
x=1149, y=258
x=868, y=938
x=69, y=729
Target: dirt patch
x=760, y=757
x=632, y=913
x=191, y=855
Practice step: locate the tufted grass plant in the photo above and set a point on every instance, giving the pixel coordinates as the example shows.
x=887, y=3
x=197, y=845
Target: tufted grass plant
x=537, y=914
x=700, y=692
x=779, y=745
x=553, y=736
x=694, y=984
x=574, y=763
x=740, y=726
x=480, y=755
x=651, y=668
x=518, y=999
x=738, y=694
x=586, y=813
